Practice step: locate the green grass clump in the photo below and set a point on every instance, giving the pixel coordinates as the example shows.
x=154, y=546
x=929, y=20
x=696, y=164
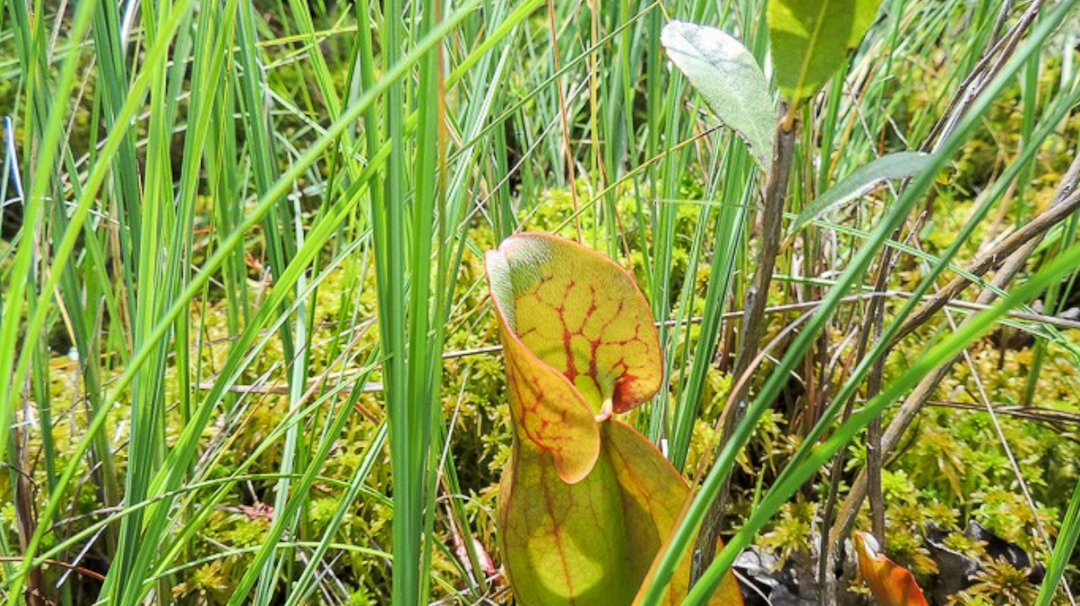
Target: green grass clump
x=246, y=347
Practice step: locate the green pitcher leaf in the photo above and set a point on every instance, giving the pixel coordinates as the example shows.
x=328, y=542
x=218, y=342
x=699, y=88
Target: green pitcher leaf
x=811, y=38
x=886, y=168
x=729, y=79
x=585, y=502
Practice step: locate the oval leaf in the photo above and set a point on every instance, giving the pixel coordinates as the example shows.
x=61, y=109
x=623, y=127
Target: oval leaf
x=890, y=583
x=811, y=38
x=886, y=168
x=729, y=79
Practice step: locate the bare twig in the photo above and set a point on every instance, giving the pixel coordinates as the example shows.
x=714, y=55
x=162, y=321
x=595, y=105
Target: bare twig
x=1061, y=420
x=772, y=214
x=1067, y=202
x=86, y=572
x=25, y=515
x=918, y=398
x=915, y=401
x=879, y=445
x=993, y=60
x=1019, y=246
x=872, y=328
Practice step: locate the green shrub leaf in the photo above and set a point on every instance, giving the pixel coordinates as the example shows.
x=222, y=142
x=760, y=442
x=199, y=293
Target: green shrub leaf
x=810, y=39
x=885, y=168
x=729, y=79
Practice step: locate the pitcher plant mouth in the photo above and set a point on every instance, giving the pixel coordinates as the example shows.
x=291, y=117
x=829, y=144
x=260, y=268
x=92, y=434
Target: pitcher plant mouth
x=576, y=322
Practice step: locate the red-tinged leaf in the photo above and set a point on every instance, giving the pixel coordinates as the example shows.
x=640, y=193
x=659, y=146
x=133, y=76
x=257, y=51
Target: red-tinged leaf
x=890, y=583
x=483, y=560
x=585, y=502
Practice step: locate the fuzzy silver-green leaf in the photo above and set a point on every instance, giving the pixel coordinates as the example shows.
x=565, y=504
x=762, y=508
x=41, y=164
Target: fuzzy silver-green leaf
x=729, y=79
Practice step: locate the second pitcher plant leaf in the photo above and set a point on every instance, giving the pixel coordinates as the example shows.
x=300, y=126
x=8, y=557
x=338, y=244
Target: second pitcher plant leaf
x=890, y=583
